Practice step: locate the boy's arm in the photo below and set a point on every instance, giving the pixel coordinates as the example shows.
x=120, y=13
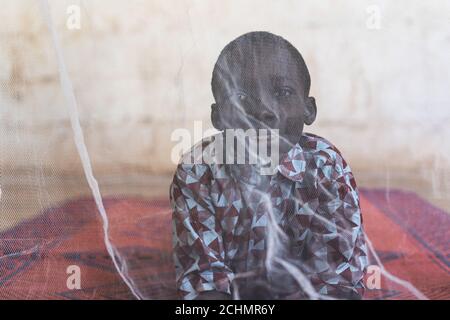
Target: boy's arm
x=346, y=252
x=335, y=253
x=201, y=272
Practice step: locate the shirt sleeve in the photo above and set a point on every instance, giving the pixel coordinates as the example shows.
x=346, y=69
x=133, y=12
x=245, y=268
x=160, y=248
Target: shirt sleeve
x=198, y=249
x=334, y=248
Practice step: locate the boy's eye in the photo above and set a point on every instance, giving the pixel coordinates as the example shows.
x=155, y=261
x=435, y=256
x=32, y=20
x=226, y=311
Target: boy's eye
x=283, y=92
x=241, y=96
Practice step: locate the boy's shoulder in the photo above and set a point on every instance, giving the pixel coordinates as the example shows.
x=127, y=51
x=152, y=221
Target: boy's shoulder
x=316, y=152
x=317, y=144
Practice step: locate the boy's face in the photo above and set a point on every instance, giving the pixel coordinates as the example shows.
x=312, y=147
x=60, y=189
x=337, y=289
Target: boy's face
x=262, y=88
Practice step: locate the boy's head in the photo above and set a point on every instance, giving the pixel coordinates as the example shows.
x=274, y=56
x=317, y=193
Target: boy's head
x=260, y=81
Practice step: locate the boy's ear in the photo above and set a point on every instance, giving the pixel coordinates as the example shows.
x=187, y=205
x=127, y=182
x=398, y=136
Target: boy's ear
x=216, y=118
x=310, y=110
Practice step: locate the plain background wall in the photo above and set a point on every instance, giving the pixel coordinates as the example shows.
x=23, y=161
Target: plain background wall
x=141, y=69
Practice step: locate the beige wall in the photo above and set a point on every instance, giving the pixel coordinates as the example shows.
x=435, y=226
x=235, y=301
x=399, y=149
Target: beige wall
x=140, y=69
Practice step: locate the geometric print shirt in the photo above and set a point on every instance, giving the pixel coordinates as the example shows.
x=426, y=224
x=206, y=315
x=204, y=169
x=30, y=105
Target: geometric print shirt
x=230, y=233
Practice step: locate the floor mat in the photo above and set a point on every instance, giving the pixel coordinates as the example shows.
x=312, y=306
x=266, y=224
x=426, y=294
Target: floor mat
x=410, y=236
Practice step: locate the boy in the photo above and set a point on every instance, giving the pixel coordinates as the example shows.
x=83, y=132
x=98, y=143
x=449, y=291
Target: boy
x=237, y=231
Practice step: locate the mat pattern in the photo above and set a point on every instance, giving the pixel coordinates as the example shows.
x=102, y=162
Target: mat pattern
x=411, y=236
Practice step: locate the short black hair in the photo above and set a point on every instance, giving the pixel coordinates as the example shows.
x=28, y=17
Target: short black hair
x=258, y=38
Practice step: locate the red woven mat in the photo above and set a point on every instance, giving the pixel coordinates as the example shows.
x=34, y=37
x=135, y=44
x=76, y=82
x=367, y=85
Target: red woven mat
x=410, y=235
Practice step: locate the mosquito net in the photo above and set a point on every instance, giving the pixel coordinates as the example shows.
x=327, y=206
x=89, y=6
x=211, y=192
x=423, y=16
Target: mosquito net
x=118, y=179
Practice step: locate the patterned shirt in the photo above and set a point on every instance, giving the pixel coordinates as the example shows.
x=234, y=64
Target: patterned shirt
x=220, y=224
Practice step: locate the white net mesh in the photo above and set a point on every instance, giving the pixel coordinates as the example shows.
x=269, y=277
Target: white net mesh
x=98, y=99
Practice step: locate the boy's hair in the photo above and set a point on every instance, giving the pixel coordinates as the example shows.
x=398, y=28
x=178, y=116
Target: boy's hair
x=258, y=38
